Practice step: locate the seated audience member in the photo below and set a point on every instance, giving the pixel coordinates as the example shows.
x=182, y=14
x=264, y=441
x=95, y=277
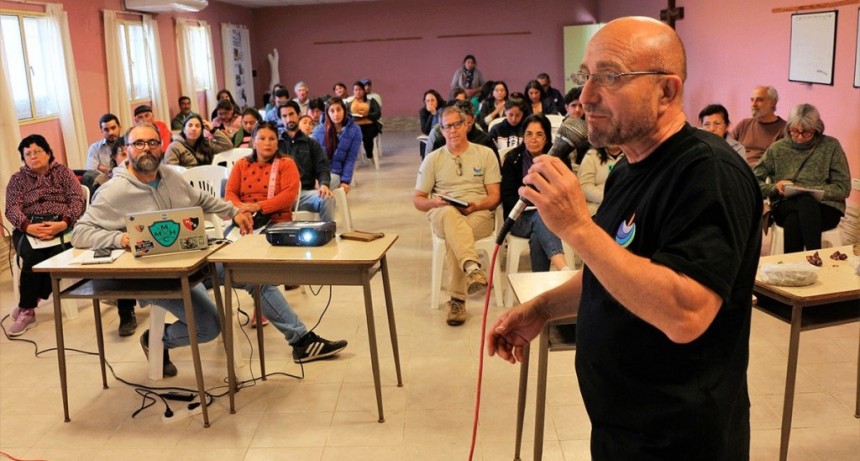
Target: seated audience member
x=193, y=148
x=433, y=102
x=509, y=133
x=340, y=91
x=316, y=110
x=302, y=99
x=553, y=96
x=281, y=98
x=808, y=158
x=184, y=112
x=366, y=113
x=143, y=114
x=147, y=186
x=250, y=119
x=486, y=92
x=273, y=103
x=43, y=200
x=468, y=172
x=368, y=89
x=306, y=125
x=312, y=163
x=458, y=94
x=761, y=130
x=224, y=95
x=594, y=170
x=715, y=118
x=468, y=77
x=474, y=134
x=572, y=106
x=537, y=99
x=228, y=120
x=340, y=138
x=545, y=248
x=98, y=155
x=494, y=106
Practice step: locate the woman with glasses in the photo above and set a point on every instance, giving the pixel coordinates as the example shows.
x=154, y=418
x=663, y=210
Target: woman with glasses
x=341, y=139
x=43, y=200
x=545, y=248
x=809, y=180
x=366, y=113
x=195, y=148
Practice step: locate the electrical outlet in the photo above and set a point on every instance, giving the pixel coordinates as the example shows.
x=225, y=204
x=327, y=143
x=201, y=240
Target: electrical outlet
x=855, y=183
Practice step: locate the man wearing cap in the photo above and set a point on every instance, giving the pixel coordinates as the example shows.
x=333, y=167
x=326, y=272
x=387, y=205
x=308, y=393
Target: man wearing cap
x=143, y=114
x=368, y=90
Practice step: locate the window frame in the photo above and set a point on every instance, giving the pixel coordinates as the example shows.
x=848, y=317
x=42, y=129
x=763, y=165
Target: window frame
x=124, y=36
x=201, y=31
x=20, y=14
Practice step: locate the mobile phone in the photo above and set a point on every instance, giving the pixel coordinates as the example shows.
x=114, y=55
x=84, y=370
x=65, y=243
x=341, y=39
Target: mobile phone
x=101, y=253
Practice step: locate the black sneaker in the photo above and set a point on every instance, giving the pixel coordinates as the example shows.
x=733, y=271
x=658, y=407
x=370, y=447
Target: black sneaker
x=127, y=321
x=312, y=347
x=169, y=369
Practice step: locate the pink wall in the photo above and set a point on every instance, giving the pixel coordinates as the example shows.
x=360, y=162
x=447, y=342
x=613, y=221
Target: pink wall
x=735, y=45
x=402, y=70
x=86, y=28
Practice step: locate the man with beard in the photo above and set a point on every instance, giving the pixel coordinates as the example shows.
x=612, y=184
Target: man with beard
x=98, y=155
x=145, y=185
x=664, y=301
x=764, y=128
x=312, y=162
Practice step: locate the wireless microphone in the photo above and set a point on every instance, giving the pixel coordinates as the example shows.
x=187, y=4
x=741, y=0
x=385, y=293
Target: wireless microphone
x=572, y=134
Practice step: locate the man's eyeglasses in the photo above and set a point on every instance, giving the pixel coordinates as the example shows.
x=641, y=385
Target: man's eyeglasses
x=607, y=78
x=453, y=126
x=459, y=163
x=141, y=145
x=801, y=134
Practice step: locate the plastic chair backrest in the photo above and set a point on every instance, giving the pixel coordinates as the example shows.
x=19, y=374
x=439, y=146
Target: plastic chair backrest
x=228, y=158
x=208, y=178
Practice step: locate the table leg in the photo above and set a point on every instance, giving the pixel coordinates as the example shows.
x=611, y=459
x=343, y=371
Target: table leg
x=371, y=339
x=61, y=346
x=392, y=326
x=226, y=315
x=258, y=317
x=790, y=378
x=540, y=400
x=521, y=401
x=857, y=399
x=100, y=340
x=195, y=350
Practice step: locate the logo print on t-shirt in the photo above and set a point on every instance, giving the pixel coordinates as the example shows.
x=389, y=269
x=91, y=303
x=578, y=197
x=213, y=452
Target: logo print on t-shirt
x=626, y=232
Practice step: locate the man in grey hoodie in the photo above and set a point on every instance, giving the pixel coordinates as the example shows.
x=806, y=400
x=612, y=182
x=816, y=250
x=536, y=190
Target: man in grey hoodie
x=145, y=185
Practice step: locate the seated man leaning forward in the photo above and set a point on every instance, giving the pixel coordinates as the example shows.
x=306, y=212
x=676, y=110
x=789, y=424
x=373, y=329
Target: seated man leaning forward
x=470, y=173
x=146, y=185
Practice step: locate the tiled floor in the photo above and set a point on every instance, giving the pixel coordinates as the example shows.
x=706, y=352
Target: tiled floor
x=331, y=414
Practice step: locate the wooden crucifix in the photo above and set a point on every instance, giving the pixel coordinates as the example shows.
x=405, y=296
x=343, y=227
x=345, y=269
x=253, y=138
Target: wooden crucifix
x=671, y=14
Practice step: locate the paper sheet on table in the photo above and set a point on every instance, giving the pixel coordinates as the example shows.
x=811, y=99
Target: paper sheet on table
x=88, y=257
x=792, y=190
x=37, y=244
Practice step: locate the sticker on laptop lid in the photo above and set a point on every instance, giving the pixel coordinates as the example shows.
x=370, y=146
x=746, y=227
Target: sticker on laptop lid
x=165, y=233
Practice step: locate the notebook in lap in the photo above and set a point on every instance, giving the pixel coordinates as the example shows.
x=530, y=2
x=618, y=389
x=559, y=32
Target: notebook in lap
x=166, y=231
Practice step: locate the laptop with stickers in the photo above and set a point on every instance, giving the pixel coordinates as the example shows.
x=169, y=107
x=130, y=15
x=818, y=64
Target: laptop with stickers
x=166, y=231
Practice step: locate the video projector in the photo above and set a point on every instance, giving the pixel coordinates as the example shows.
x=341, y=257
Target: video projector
x=301, y=233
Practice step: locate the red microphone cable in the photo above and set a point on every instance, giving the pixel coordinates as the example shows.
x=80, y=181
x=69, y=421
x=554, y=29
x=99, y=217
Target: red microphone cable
x=481, y=351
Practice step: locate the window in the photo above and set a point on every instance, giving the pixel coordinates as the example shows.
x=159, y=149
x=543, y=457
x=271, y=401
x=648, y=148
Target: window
x=201, y=59
x=29, y=70
x=133, y=49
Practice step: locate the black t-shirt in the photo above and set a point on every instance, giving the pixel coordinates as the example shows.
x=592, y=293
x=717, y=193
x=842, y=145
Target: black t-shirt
x=693, y=206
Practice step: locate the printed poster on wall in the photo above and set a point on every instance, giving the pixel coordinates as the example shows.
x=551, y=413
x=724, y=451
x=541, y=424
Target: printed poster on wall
x=236, y=48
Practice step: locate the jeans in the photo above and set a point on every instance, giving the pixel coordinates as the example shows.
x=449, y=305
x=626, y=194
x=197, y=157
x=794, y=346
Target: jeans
x=275, y=308
x=310, y=200
x=543, y=244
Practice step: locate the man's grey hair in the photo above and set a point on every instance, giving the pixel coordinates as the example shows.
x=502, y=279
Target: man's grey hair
x=148, y=125
x=301, y=84
x=772, y=94
x=805, y=116
x=450, y=109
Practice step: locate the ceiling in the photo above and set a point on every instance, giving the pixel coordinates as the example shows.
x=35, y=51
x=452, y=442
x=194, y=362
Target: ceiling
x=269, y=3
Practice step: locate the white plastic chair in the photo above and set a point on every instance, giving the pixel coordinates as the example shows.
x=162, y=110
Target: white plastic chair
x=486, y=244
x=555, y=121
x=342, y=213
x=503, y=153
x=229, y=158
x=494, y=122
x=209, y=179
x=516, y=247
x=177, y=168
x=829, y=239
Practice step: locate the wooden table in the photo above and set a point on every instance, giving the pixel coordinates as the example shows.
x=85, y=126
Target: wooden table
x=526, y=286
x=158, y=277
x=251, y=260
x=831, y=300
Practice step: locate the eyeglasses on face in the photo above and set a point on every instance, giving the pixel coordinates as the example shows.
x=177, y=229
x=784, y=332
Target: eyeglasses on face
x=607, y=78
x=453, y=126
x=801, y=134
x=141, y=145
x=34, y=153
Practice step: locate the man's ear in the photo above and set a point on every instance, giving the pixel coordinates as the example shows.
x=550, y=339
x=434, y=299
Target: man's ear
x=670, y=87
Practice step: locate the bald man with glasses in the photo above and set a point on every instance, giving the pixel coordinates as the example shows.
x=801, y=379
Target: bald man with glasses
x=470, y=173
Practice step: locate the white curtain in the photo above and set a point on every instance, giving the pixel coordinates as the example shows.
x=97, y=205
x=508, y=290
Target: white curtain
x=59, y=47
x=160, y=107
x=188, y=74
x=117, y=86
x=236, y=49
x=10, y=135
